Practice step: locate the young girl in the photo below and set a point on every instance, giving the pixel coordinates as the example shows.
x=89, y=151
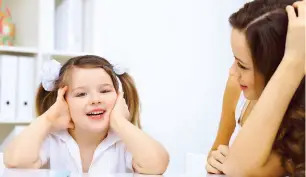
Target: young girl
x=86, y=124
x=272, y=139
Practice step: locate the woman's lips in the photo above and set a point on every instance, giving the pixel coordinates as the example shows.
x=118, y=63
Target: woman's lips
x=243, y=87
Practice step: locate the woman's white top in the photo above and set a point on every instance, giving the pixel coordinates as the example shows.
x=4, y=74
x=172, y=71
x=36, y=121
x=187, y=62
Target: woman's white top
x=61, y=152
x=240, y=109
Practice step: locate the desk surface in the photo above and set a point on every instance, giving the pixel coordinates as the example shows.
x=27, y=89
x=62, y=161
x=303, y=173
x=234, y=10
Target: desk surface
x=51, y=173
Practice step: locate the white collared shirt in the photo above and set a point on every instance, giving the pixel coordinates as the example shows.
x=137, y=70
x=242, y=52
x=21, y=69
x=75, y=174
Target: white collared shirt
x=61, y=152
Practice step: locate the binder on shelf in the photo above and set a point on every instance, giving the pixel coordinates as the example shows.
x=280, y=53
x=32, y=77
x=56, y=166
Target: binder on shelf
x=8, y=86
x=69, y=25
x=88, y=28
x=25, y=89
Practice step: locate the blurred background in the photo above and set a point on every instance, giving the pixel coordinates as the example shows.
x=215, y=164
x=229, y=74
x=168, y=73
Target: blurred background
x=178, y=52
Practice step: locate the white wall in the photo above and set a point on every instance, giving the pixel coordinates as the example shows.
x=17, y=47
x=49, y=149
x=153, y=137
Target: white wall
x=179, y=54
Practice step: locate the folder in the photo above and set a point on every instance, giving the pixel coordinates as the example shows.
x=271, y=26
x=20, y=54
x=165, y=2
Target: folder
x=8, y=86
x=25, y=89
x=69, y=25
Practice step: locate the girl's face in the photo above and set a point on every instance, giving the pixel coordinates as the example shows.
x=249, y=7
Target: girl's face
x=250, y=80
x=91, y=97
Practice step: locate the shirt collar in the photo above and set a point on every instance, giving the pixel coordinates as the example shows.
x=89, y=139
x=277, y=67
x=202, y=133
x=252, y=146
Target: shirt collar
x=111, y=138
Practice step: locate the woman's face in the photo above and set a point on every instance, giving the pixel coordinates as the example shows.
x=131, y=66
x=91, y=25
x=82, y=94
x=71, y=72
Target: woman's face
x=250, y=80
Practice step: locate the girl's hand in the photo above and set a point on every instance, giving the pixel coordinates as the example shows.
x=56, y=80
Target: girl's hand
x=216, y=159
x=58, y=114
x=119, y=111
x=295, y=42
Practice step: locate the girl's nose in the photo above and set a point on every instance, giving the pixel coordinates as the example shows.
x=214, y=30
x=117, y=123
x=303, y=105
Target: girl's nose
x=95, y=99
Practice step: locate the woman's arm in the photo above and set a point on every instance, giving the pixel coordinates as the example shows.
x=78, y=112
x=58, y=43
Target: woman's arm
x=227, y=123
x=149, y=156
x=226, y=128
x=252, y=147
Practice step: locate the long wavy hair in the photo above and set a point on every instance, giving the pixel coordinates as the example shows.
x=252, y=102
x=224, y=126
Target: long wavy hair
x=265, y=23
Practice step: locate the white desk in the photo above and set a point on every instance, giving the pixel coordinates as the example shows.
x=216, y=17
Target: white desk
x=51, y=173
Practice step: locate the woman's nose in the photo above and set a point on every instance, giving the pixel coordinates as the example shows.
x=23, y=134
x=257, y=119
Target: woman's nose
x=234, y=71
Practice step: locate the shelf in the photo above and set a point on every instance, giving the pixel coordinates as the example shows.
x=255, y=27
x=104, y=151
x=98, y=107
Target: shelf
x=63, y=56
x=18, y=50
x=15, y=122
x=67, y=53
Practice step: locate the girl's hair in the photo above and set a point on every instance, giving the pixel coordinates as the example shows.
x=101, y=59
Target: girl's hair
x=45, y=99
x=265, y=24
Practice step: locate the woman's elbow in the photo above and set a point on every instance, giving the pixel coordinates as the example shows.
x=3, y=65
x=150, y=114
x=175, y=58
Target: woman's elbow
x=233, y=169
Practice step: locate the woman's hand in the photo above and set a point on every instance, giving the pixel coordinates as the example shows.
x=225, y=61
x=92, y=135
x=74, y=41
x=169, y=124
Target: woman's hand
x=58, y=114
x=295, y=42
x=216, y=159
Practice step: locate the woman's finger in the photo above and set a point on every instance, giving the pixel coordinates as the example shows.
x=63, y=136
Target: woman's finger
x=211, y=169
x=220, y=157
x=223, y=149
x=300, y=5
x=214, y=163
x=291, y=13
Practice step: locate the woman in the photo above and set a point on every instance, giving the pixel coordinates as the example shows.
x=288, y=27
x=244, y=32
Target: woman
x=272, y=139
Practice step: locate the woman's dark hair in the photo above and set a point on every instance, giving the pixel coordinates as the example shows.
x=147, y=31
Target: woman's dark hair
x=265, y=23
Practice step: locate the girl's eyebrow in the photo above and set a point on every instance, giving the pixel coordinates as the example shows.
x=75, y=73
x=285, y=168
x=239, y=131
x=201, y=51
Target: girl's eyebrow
x=106, y=84
x=83, y=87
x=77, y=88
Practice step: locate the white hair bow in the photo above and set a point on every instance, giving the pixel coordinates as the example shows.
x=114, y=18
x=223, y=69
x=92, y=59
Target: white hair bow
x=49, y=74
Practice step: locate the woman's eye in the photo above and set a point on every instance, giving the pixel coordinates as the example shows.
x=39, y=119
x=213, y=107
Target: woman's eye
x=80, y=94
x=241, y=66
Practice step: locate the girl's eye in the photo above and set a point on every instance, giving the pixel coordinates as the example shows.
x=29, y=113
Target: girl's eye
x=80, y=94
x=241, y=66
x=105, y=91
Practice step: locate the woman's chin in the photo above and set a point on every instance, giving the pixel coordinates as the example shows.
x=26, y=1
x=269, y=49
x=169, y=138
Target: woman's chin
x=250, y=96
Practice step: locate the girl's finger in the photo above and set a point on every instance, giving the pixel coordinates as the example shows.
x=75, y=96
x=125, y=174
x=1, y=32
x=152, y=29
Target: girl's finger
x=61, y=92
x=291, y=13
x=71, y=125
x=120, y=95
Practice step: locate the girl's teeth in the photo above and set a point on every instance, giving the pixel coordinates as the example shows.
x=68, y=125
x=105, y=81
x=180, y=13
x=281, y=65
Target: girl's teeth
x=96, y=113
